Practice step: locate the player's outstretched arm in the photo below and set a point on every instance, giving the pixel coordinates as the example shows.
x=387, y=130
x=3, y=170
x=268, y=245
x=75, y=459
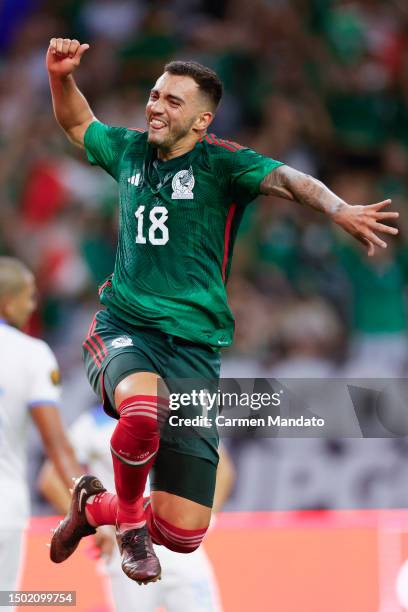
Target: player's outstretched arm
x=362, y=222
x=53, y=489
x=57, y=446
x=71, y=109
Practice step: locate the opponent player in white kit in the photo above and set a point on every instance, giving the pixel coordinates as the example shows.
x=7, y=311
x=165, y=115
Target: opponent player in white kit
x=29, y=387
x=188, y=583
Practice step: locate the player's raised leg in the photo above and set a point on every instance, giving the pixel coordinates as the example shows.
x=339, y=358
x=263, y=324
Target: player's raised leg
x=183, y=487
x=142, y=405
x=135, y=442
x=176, y=522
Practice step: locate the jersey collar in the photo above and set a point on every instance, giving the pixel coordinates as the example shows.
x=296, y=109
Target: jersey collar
x=174, y=162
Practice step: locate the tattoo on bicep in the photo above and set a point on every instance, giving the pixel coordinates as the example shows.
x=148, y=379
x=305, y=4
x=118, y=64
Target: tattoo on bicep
x=291, y=184
x=312, y=192
x=274, y=184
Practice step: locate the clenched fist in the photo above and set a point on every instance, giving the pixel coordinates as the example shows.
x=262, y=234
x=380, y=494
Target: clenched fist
x=64, y=55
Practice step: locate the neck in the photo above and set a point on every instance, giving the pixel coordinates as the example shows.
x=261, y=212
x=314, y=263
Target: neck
x=179, y=148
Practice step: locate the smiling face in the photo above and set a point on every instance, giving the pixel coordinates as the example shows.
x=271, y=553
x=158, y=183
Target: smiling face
x=177, y=113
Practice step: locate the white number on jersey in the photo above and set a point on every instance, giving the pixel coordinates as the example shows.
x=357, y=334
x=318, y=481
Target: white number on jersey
x=158, y=231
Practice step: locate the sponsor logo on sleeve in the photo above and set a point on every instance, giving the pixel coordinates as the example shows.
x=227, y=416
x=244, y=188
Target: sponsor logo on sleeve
x=55, y=376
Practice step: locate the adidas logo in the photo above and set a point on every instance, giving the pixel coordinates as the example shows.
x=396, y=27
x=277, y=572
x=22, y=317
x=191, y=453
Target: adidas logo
x=134, y=180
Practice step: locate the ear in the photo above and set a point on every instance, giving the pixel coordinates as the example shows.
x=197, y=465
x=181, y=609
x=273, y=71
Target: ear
x=203, y=121
x=7, y=308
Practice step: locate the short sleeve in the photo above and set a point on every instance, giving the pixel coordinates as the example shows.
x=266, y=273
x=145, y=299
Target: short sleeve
x=44, y=384
x=248, y=169
x=81, y=433
x=105, y=145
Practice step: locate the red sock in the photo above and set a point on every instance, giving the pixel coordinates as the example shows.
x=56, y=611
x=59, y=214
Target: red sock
x=174, y=538
x=134, y=445
x=102, y=510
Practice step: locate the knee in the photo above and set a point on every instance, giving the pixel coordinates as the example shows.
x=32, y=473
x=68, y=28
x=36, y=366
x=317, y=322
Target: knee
x=142, y=414
x=185, y=550
x=186, y=546
x=189, y=523
x=139, y=426
x=181, y=512
x=176, y=538
x=132, y=432
x=139, y=384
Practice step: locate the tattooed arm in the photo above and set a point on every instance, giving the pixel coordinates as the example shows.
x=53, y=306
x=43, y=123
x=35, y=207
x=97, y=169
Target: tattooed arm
x=362, y=222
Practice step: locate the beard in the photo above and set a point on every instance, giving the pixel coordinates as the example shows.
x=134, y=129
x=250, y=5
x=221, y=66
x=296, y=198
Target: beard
x=167, y=137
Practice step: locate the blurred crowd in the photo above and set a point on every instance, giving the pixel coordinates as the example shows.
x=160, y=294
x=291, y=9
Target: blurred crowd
x=319, y=84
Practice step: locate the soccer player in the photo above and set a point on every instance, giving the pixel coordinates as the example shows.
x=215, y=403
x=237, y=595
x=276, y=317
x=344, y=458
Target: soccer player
x=182, y=195
x=188, y=583
x=29, y=387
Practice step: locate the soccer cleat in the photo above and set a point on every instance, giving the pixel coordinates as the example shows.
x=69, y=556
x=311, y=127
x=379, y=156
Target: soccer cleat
x=75, y=526
x=139, y=561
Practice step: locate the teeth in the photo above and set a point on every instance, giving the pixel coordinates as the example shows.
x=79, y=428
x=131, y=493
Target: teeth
x=156, y=123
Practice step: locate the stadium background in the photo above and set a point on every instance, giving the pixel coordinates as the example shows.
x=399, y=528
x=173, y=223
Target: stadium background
x=323, y=86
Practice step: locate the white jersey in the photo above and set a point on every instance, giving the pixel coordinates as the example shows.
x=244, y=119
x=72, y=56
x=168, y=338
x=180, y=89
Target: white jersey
x=28, y=377
x=90, y=436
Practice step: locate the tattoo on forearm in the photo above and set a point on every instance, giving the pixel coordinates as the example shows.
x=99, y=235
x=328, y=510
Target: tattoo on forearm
x=291, y=184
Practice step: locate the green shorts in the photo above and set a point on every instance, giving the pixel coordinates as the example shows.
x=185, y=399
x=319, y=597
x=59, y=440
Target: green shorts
x=188, y=455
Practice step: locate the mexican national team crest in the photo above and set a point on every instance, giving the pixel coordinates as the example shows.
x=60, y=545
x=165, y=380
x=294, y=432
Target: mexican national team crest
x=183, y=184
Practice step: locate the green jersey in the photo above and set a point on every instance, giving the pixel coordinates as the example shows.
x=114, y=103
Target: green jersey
x=178, y=221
